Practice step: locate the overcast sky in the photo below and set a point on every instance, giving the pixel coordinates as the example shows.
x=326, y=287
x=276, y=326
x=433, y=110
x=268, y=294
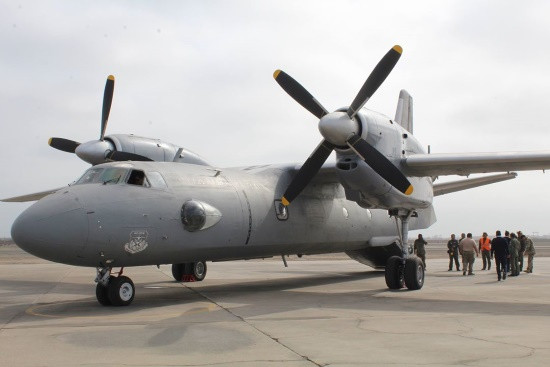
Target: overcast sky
x=199, y=74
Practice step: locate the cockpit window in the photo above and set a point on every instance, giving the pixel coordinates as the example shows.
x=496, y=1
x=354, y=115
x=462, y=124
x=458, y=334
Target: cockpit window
x=138, y=178
x=110, y=175
x=156, y=180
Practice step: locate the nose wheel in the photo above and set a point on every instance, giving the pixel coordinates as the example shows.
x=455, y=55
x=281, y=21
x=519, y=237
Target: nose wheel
x=114, y=290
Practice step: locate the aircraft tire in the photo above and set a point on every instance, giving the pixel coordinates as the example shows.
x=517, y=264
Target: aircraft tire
x=101, y=293
x=199, y=270
x=394, y=273
x=121, y=291
x=414, y=273
x=178, y=271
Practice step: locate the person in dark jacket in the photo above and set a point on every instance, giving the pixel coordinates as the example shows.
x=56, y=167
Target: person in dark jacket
x=499, y=249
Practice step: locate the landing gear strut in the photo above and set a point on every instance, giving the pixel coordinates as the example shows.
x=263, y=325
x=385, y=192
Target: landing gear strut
x=405, y=270
x=113, y=290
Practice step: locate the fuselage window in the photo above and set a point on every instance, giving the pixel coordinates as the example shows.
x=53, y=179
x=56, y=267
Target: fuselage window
x=138, y=178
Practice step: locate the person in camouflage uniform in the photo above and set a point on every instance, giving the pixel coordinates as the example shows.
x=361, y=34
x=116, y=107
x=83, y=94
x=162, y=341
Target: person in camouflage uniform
x=530, y=252
x=452, y=246
x=515, y=246
x=420, y=249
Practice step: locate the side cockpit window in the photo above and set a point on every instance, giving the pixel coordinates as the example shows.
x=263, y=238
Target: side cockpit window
x=156, y=180
x=138, y=178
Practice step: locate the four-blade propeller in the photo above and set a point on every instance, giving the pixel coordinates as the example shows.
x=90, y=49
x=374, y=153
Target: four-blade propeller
x=97, y=151
x=340, y=129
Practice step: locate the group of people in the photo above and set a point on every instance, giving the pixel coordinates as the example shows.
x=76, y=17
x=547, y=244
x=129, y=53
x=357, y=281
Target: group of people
x=508, y=252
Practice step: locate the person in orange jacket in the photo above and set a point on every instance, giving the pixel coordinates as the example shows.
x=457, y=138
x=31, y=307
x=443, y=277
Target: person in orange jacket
x=485, y=249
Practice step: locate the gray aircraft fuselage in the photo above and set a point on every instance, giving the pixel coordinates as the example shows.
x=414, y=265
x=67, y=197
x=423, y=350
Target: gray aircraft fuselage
x=121, y=224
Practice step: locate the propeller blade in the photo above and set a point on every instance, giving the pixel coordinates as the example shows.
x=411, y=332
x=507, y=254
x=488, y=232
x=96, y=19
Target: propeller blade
x=307, y=171
x=375, y=79
x=380, y=164
x=65, y=145
x=107, y=100
x=125, y=156
x=299, y=93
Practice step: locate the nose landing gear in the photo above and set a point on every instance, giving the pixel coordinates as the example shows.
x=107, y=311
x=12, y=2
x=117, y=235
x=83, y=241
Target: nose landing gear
x=114, y=290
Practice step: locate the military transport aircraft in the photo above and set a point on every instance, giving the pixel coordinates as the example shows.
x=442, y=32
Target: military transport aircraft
x=147, y=209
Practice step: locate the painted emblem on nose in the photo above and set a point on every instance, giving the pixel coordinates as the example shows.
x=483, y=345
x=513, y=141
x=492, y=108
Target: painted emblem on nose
x=137, y=243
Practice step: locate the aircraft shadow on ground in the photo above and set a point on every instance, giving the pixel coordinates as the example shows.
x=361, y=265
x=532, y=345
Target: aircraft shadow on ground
x=263, y=298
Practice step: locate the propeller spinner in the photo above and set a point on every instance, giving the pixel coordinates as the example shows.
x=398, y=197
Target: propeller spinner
x=341, y=129
x=97, y=151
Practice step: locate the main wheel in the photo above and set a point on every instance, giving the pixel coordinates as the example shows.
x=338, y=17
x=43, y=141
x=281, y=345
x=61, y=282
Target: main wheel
x=414, y=273
x=101, y=293
x=178, y=271
x=394, y=273
x=121, y=291
x=199, y=270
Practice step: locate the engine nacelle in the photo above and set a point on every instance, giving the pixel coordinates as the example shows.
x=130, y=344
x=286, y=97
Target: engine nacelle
x=97, y=151
x=366, y=187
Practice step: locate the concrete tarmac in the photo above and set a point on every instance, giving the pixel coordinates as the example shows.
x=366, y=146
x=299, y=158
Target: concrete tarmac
x=258, y=313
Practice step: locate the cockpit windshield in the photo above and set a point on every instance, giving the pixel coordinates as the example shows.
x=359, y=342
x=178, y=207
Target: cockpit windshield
x=110, y=175
x=115, y=175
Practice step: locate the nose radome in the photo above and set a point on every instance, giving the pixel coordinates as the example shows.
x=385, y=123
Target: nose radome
x=54, y=228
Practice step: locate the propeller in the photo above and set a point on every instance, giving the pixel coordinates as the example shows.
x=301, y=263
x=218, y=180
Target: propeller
x=340, y=129
x=97, y=151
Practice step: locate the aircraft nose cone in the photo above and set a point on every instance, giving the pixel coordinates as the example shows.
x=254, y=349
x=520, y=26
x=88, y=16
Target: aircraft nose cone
x=54, y=228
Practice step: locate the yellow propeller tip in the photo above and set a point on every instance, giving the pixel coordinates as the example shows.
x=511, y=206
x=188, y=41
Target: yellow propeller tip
x=398, y=49
x=50, y=141
x=285, y=201
x=276, y=73
x=409, y=190
x=111, y=77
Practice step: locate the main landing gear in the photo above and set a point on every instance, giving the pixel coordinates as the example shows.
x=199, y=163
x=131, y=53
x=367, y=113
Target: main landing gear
x=405, y=270
x=113, y=290
x=189, y=272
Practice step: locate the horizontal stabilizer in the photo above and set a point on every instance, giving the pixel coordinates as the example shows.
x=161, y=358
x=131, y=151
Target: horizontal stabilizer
x=469, y=183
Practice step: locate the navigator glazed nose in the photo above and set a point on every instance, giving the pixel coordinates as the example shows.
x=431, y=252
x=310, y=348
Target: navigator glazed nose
x=54, y=228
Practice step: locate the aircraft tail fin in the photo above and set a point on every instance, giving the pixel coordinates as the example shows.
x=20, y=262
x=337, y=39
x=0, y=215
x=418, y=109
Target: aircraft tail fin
x=404, y=112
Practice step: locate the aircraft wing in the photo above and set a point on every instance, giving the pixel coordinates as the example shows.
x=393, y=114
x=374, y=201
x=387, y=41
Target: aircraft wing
x=440, y=164
x=30, y=197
